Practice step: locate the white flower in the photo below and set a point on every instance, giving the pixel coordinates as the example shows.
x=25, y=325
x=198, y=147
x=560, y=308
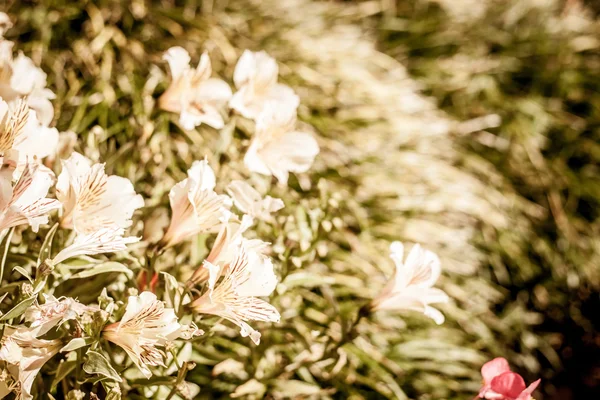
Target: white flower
x=255, y=77
x=277, y=149
x=145, y=325
x=12, y=124
x=227, y=245
x=25, y=355
x=193, y=94
x=250, y=202
x=53, y=312
x=36, y=141
x=21, y=131
x=195, y=206
x=105, y=240
x=26, y=202
x=19, y=77
x=93, y=200
x=411, y=288
x=234, y=295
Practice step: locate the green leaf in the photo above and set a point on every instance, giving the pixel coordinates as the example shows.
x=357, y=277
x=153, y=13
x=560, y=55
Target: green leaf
x=23, y=272
x=97, y=364
x=63, y=370
x=76, y=343
x=171, y=287
x=19, y=309
x=47, y=245
x=6, y=247
x=103, y=268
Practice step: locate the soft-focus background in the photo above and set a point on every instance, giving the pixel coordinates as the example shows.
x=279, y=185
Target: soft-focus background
x=470, y=126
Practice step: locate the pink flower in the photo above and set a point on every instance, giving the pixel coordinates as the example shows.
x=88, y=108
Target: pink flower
x=500, y=383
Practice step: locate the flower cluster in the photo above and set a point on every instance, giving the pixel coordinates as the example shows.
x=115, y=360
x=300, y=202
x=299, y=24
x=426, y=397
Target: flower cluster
x=146, y=323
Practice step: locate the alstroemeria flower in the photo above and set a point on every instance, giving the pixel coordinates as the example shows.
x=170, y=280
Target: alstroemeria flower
x=227, y=245
x=44, y=317
x=500, y=383
x=193, y=94
x=146, y=325
x=234, y=290
x=19, y=77
x=25, y=356
x=105, y=240
x=411, y=288
x=20, y=131
x=195, y=206
x=12, y=124
x=277, y=149
x=250, y=202
x=26, y=202
x=255, y=77
x=93, y=200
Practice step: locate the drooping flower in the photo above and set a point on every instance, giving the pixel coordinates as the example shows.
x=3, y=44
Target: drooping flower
x=104, y=240
x=19, y=77
x=93, y=200
x=195, y=206
x=277, y=149
x=25, y=356
x=250, y=202
x=411, y=288
x=26, y=202
x=255, y=77
x=234, y=290
x=500, y=383
x=146, y=325
x=193, y=94
x=44, y=317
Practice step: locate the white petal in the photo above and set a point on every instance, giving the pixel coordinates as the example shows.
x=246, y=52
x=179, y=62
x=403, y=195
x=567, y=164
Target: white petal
x=434, y=314
x=178, y=59
x=215, y=91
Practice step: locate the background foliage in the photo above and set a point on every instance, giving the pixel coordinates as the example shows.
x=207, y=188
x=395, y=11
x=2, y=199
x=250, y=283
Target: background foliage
x=470, y=127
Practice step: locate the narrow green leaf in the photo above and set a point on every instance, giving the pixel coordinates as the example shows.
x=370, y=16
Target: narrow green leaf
x=6, y=247
x=104, y=268
x=47, y=245
x=63, y=370
x=19, y=309
x=23, y=272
